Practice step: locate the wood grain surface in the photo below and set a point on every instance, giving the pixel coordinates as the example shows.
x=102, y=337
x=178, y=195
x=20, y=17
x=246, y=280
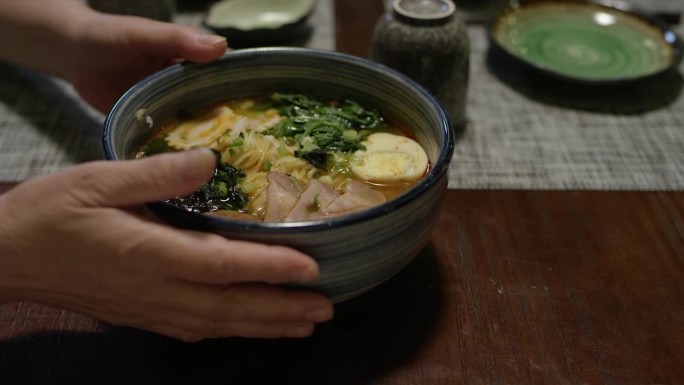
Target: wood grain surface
x=516, y=287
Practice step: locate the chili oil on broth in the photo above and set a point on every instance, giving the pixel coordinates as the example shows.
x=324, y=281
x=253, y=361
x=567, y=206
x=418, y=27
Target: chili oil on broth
x=245, y=134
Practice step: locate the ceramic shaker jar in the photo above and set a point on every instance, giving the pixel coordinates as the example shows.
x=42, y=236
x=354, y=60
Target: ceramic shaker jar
x=427, y=41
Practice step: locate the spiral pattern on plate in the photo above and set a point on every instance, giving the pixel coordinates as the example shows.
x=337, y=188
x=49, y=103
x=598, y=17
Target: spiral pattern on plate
x=585, y=42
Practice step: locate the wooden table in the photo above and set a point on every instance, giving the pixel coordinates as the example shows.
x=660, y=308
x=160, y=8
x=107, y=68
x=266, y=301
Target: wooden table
x=516, y=287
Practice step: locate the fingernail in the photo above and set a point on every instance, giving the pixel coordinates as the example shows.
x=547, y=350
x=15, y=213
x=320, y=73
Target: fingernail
x=307, y=274
x=319, y=315
x=196, y=163
x=210, y=40
x=299, y=331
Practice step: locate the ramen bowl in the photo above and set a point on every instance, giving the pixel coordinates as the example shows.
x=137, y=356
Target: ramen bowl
x=355, y=251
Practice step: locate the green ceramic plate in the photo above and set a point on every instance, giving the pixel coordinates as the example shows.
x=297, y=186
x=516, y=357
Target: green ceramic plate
x=585, y=41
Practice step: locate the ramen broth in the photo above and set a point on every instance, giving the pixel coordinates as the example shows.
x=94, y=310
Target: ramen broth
x=287, y=157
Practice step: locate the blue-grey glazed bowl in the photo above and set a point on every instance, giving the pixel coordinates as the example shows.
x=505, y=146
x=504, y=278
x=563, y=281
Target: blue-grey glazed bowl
x=356, y=252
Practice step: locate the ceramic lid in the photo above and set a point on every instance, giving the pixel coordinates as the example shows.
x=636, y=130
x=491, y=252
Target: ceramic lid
x=424, y=10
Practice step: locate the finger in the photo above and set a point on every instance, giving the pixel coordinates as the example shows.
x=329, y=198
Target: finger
x=133, y=182
x=174, y=41
x=170, y=331
x=248, y=303
x=192, y=312
x=195, y=331
x=190, y=326
x=213, y=259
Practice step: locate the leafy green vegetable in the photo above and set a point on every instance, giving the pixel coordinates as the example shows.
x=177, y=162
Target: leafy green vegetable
x=321, y=128
x=157, y=145
x=221, y=192
x=317, y=157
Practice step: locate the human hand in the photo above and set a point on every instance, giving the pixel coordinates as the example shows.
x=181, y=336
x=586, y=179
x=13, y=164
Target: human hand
x=113, y=52
x=78, y=240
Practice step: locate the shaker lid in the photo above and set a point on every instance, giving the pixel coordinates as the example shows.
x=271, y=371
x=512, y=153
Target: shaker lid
x=424, y=11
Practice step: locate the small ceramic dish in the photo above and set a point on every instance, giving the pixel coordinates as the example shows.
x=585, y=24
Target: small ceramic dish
x=259, y=22
x=585, y=41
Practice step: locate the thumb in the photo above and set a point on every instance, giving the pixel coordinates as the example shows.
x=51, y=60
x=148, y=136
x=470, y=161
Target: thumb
x=134, y=182
x=173, y=41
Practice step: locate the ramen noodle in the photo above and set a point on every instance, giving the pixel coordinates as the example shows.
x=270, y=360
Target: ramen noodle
x=288, y=157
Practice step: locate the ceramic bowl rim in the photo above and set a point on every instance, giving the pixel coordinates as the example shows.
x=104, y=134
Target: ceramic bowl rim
x=676, y=46
x=433, y=177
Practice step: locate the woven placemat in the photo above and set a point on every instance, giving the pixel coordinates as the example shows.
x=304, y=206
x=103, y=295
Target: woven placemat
x=523, y=133
x=526, y=132
x=45, y=127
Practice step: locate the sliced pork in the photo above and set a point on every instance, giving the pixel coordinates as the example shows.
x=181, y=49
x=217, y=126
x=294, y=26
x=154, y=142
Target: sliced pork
x=313, y=202
x=282, y=195
x=286, y=202
x=357, y=196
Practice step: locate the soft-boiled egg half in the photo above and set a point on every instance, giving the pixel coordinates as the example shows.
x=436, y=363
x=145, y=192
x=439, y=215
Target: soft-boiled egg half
x=389, y=158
